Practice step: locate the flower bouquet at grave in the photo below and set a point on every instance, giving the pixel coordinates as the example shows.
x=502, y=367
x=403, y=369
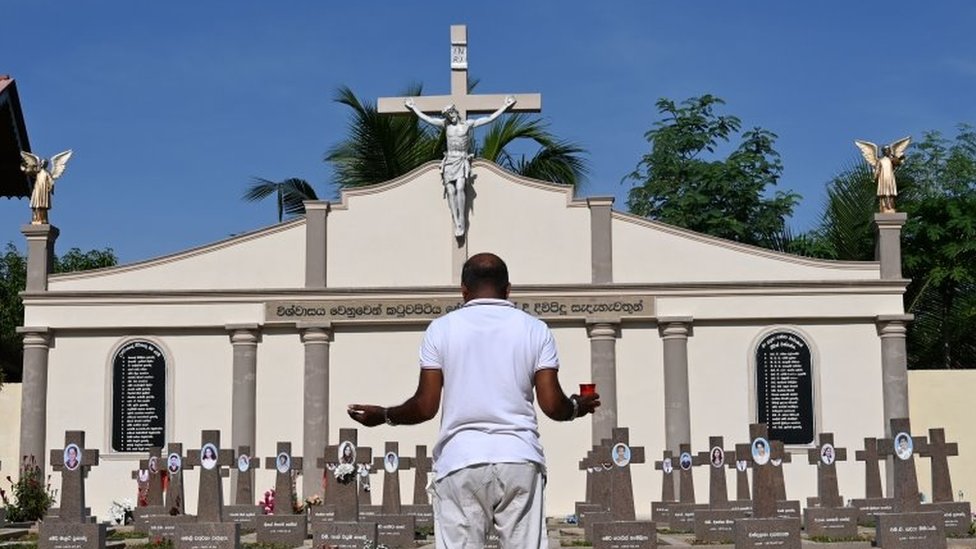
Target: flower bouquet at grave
x=32, y=497
x=121, y=512
x=311, y=501
x=268, y=503
x=345, y=473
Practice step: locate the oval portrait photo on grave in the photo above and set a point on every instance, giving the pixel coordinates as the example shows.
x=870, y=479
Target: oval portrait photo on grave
x=72, y=457
x=760, y=451
x=283, y=462
x=143, y=475
x=174, y=463
x=620, y=454
x=717, y=456
x=741, y=465
x=827, y=454
x=243, y=463
x=347, y=452
x=391, y=462
x=684, y=461
x=666, y=466
x=904, y=445
x=208, y=456
x=153, y=464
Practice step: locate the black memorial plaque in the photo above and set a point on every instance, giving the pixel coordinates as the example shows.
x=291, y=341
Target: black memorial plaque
x=138, y=397
x=785, y=387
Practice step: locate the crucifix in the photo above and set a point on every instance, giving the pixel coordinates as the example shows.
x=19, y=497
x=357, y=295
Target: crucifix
x=73, y=461
x=938, y=450
x=872, y=471
x=422, y=466
x=212, y=462
x=718, y=492
x=174, y=472
x=741, y=463
x=284, y=465
x=391, y=462
x=666, y=466
x=825, y=456
x=900, y=449
x=344, y=463
x=245, y=479
x=777, y=459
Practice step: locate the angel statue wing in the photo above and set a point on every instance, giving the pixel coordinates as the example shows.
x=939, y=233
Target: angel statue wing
x=898, y=147
x=31, y=162
x=59, y=162
x=869, y=151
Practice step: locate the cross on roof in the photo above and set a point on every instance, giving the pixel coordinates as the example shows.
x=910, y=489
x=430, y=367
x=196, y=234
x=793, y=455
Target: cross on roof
x=825, y=456
x=901, y=451
x=459, y=97
x=938, y=450
x=73, y=461
x=872, y=475
x=345, y=495
x=212, y=461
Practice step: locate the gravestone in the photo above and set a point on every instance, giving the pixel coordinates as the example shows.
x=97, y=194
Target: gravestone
x=874, y=502
x=625, y=535
x=765, y=528
x=741, y=464
x=212, y=461
x=716, y=522
x=683, y=512
x=245, y=510
x=162, y=522
x=174, y=472
x=344, y=463
x=393, y=528
x=210, y=535
x=908, y=526
x=597, y=507
x=784, y=507
x=661, y=510
x=150, y=479
x=957, y=513
x=72, y=529
x=420, y=509
x=343, y=535
x=284, y=527
x=830, y=519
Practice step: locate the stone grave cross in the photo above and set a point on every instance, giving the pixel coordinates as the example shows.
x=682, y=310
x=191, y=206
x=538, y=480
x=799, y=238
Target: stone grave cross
x=938, y=450
x=391, y=462
x=245, y=479
x=73, y=461
x=901, y=449
x=686, y=481
x=777, y=459
x=598, y=461
x=716, y=455
x=824, y=456
x=284, y=464
x=464, y=102
x=666, y=466
x=174, y=472
x=344, y=492
x=212, y=461
x=763, y=481
x=872, y=471
x=621, y=487
x=741, y=464
x=151, y=469
x=422, y=466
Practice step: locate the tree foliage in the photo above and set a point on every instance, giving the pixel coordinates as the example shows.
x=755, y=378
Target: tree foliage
x=290, y=194
x=13, y=280
x=684, y=182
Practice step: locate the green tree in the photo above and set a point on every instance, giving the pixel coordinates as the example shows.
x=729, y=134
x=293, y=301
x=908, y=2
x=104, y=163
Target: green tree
x=683, y=181
x=13, y=278
x=290, y=194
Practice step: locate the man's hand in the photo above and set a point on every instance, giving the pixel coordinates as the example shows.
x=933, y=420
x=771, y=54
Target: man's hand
x=409, y=103
x=367, y=414
x=509, y=100
x=588, y=404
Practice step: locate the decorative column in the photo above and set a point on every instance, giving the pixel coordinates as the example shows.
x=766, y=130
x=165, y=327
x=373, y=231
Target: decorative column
x=315, y=413
x=677, y=408
x=33, y=404
x=892, y=330
x=316, y=242
x=244, y=339
x=40, y=254
x=887, y=248
x=601, y=239
x=603, y=372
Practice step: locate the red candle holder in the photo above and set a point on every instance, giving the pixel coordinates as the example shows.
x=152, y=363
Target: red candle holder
x=587, y=389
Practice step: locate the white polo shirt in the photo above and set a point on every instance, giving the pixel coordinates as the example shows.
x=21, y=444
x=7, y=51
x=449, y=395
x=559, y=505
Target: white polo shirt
x=489, y=353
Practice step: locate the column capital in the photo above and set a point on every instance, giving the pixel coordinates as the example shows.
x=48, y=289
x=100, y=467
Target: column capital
x=244, y=334
x=603, y=330
x=675, y=327
x=36, y=336
x=316, y=333
x=599, y=201
x=893, y=325
x=892, y=220
x=317, y=205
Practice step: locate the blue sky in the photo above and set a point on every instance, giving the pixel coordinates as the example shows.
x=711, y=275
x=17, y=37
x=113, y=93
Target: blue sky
x=172, y=107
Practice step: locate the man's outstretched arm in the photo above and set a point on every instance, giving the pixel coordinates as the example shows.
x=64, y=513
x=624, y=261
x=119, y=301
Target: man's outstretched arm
x=509, y=101
x=421, y=407
x=555, y=403
x=439, y=122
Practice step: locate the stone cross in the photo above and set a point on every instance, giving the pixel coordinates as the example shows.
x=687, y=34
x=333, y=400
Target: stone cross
x=422, y=466
x=686, y=482
x=777, y=459
x=763, y=481
x=391, y=459
x=825, y=456
x=938, y=450
x=872, y=472
x=621, y=487
x=73, y=461
x=667, y=472
x=901, y=450
x=153, y=467
x=245, y=479
x=345, y=495
x=464, y=103
x=174, y=471
x=210, y=502
x=598, y=482
x=741, y=464
x=716, y=456
x=285, y=465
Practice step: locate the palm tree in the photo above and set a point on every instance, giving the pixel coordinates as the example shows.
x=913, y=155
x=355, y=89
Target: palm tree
x=290, y=194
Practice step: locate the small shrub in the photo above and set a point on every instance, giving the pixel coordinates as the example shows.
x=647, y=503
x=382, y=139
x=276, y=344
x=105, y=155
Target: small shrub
x=31, y=496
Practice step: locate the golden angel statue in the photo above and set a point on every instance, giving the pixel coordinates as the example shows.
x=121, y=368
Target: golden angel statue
x=884, y=169
x=36, y=167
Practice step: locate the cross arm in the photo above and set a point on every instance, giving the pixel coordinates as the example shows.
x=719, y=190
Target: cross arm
x=470, y=104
